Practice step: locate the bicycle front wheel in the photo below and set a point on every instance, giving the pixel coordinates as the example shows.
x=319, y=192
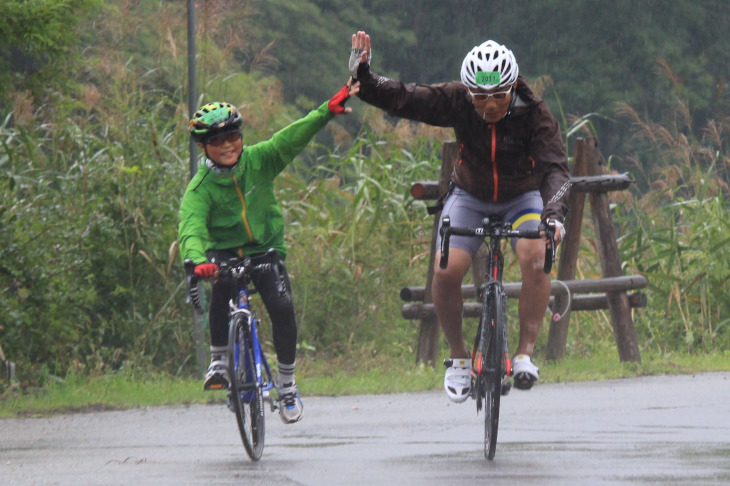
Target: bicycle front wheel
x=497, y=323
x=245, y=392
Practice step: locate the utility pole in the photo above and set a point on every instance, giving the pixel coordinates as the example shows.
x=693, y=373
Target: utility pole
x=192, y=83
x=198, y=320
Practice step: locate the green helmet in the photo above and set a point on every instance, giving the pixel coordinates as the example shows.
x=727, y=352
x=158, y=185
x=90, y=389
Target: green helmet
x=214, y=119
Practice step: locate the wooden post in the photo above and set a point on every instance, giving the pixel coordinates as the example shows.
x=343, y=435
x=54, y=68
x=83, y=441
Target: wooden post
x=430, y=330
x=589, y=162
x=618, y=302
x=558, y=333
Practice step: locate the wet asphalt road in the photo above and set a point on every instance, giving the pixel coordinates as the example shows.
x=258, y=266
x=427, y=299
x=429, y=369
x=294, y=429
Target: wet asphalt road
x=656, y=430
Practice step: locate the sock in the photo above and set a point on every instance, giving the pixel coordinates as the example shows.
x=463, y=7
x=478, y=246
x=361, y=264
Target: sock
x=286, y=374
x=218, y=353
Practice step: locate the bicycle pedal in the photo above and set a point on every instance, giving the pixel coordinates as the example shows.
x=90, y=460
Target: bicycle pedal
x=506, y=387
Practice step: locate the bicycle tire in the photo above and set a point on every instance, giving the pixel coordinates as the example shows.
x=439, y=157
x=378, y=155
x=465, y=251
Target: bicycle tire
x=494, y=302
x=245, y=392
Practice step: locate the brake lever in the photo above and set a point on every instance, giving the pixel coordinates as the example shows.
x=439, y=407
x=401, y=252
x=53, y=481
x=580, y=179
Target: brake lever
x=445, y=235
x=275, y=266
x=192, y=296
x=549, y=228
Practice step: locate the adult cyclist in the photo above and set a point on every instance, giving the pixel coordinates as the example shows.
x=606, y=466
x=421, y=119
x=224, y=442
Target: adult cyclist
x=229, y=210
x=511, y=163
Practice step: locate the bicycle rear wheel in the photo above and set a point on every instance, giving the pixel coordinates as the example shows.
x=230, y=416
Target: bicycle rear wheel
x=496, y=321
x=246, y=393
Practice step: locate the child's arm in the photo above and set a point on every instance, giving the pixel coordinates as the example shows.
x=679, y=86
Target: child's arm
x=277, y=152
x=192, y=230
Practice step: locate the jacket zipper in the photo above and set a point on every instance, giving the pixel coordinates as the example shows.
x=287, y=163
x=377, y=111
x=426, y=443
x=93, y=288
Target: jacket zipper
x=243, y=209
x=495, y=175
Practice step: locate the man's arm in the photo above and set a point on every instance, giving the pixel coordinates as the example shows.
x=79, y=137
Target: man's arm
x=437, y=104
x=553, y=174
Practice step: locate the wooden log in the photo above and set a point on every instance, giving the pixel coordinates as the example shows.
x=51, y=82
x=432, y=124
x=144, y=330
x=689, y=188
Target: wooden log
x=513, y=289
x=578, y=303
x=425, y=190
x=429, y=190
x=589, y=302
x=601, y=183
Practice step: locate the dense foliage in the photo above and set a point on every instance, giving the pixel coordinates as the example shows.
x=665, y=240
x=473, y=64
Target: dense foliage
x=94, y=161
x=39, y=48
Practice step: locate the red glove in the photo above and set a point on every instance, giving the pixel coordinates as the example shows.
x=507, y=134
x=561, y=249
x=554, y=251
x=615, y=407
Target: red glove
x=206, y=270
x=336, y=105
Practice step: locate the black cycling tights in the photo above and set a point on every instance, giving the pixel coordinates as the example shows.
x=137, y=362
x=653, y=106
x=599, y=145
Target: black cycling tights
x=280, y=307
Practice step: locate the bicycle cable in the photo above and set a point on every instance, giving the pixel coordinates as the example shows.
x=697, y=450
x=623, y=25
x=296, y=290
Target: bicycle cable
x=557, y=316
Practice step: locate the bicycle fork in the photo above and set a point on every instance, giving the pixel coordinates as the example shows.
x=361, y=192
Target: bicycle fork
x=479, y=364
x=506, y=385
x=261, y=380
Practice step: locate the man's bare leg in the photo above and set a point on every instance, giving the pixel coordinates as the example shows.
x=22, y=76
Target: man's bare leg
x=535, y=294
x=448, y=300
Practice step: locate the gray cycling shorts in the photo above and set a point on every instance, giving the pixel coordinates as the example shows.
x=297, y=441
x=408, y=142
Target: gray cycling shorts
x=466, y=210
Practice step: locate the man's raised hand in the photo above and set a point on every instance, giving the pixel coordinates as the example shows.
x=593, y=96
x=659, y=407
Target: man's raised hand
x=360, y=53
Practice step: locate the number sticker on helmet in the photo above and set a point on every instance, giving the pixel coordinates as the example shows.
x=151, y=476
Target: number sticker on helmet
x=491, y=77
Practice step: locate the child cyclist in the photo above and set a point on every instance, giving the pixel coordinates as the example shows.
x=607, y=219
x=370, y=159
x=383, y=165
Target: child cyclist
x=229, y=209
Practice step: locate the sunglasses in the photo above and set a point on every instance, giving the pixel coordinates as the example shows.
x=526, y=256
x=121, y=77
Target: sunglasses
x=219, y=140
x=499, y=95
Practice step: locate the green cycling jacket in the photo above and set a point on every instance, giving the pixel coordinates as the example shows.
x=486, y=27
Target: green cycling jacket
x=237, y=209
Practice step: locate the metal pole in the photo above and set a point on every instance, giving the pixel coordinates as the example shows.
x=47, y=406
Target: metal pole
x=192, y=83
x=198, y=323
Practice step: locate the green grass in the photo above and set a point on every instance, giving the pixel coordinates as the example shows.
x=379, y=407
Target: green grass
x=123, y=391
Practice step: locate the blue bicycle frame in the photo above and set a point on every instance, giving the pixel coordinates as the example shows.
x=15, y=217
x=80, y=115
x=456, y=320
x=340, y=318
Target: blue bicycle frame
x=254, y=378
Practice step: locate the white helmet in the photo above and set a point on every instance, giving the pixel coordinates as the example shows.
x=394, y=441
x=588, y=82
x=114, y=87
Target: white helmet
x=494, y=61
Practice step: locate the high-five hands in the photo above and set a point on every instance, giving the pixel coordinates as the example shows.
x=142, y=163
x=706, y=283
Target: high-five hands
x=360, y=53
x=336, y=104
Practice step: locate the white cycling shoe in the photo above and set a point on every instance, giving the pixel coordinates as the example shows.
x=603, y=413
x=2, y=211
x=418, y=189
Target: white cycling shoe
x=457, y=380
x=524, y=372
x=217, y=376
x=291, y=407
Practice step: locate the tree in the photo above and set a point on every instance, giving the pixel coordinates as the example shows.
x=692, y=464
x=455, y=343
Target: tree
x=40, y=41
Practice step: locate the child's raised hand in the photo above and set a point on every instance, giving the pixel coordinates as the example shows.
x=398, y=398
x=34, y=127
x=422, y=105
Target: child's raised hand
x=336, y=104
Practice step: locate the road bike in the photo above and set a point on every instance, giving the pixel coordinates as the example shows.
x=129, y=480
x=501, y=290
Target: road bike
x=248, y=369
x=491, y=362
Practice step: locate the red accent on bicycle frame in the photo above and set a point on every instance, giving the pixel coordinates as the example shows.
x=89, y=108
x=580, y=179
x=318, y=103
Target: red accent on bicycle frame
x=507, y=364
x=479, y=363
x=495, y=174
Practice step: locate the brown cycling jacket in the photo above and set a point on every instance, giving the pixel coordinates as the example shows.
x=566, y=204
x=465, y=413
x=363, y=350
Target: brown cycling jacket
x=497, y=162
